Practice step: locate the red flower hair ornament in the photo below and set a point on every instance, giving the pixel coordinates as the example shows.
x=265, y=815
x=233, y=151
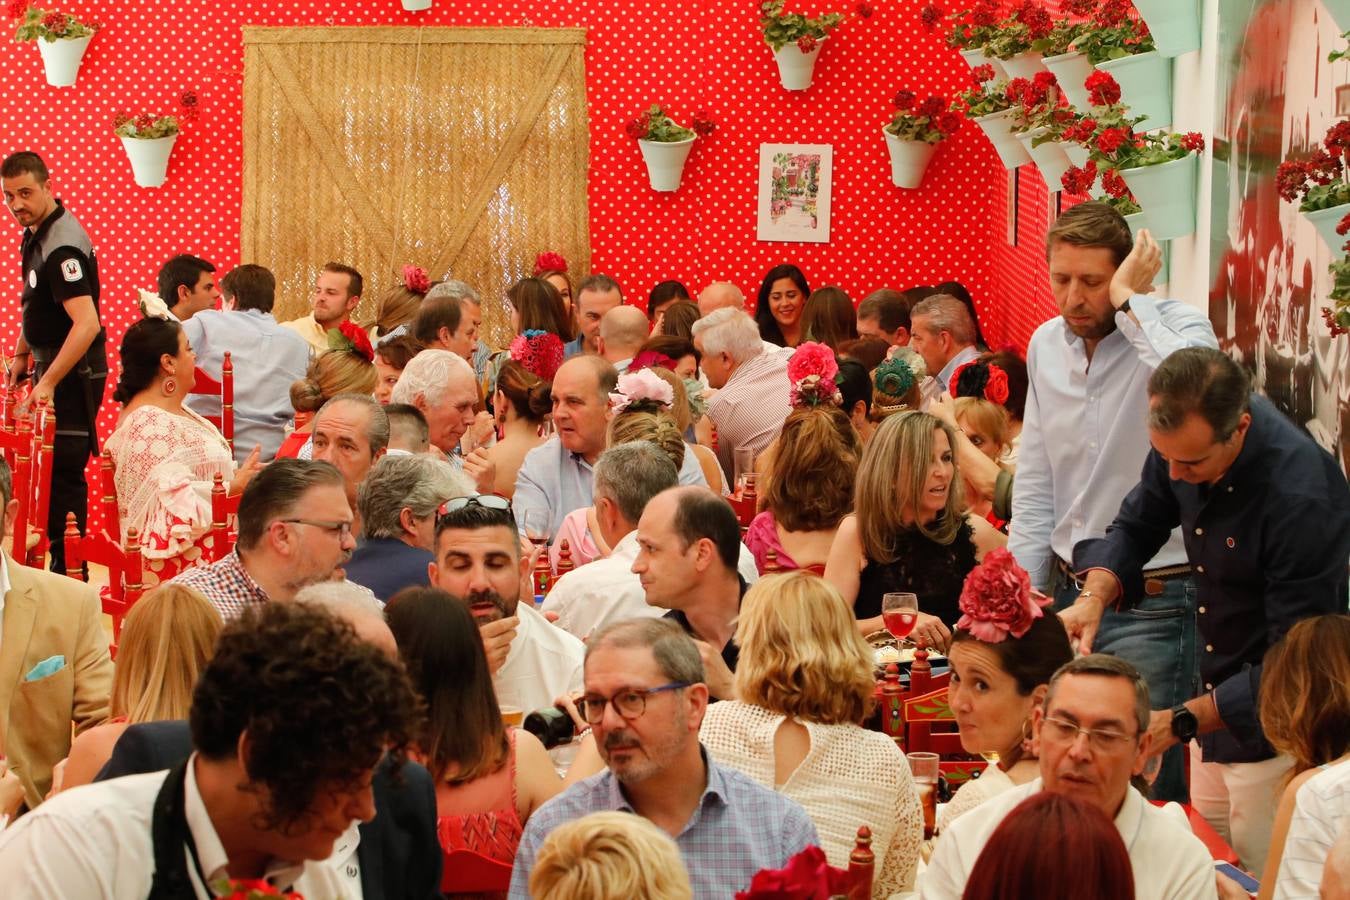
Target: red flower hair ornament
x=985, y=381
x=997, y=599
x=541, y=352
x=351, y=337
x=549, y=261
x=416, y=280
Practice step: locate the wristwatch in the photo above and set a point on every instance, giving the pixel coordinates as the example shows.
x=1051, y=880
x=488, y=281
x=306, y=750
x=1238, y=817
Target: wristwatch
x=1184, y=724
x=1124, y=307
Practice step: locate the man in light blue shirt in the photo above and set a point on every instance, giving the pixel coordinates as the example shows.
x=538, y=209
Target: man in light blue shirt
x=267, y=359
x=645, y=699
x=1084, y=442
x=557, y=475
x=943, y=333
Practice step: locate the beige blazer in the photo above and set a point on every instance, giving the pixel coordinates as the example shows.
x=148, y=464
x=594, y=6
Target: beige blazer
x=48, y=615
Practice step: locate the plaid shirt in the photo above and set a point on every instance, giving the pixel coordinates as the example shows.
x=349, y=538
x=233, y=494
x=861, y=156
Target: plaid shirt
x=226, y=584
x=737, y=829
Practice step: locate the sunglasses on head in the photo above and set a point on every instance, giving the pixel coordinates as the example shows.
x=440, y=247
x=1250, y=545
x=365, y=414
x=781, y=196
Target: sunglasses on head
x=487, y=501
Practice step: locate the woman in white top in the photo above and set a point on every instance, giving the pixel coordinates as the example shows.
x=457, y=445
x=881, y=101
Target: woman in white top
x=1004, y=650
x=803, y=682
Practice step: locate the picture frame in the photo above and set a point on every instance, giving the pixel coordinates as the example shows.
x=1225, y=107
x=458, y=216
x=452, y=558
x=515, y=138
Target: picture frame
x=794, y=192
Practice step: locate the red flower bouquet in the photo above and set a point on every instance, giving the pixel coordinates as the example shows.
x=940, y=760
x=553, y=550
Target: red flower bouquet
x=997, y=599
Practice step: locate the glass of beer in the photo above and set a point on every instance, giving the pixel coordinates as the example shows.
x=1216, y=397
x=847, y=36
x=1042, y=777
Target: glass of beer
x=924, y=768
x=512, y=716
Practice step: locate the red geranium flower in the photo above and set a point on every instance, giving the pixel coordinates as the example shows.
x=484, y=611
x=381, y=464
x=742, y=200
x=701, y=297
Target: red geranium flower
x=1109, y=141
x=703, y=123
x=17, y=8
x=930, y=15
x=986, y=13
x=949, y=122
x=863, y=9
x=806, y=43
x=1080, y=7
x=982, y=73
x=145, y=120
x=1193, y=140
x=1080, y=181
x=1344, y=225
x=1114, y=185
x=55, y=22
x=904, y=100
x=1102, y=88
x=359, y=339
x=932, y=107
x=636, y=127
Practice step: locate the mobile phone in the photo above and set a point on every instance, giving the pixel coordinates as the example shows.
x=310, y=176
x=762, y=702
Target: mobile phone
x=1247, y=882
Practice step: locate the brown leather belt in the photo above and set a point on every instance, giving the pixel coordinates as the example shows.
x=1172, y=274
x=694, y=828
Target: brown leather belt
x=1155, y=580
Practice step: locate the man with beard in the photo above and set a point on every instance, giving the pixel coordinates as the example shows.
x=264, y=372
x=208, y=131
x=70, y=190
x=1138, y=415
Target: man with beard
x=645, y=699
x=478, y=560
x=1083, y=447
x=295, y=529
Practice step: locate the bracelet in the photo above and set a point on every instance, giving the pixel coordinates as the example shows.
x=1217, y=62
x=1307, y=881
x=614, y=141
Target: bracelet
x=1082, y=594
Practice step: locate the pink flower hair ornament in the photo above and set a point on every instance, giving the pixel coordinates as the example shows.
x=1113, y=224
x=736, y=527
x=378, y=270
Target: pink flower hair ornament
x=811, y=372
x=642, y=391
x=997, y=599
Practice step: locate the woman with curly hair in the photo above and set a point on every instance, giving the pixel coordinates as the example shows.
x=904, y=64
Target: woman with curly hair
x=803, y=683
x=1305, y=714
x=347, y=366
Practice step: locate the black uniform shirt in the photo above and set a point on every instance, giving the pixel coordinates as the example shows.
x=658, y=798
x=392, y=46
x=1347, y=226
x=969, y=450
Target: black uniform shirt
x=58, y=265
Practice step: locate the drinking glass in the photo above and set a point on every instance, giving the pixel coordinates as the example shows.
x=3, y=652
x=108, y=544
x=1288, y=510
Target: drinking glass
x=534, y=522
x=924, y=768
x=744, y=459
x=900, y=612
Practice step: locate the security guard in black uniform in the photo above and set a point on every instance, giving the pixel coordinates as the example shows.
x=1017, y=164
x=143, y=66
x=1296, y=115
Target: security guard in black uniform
x=62, y=336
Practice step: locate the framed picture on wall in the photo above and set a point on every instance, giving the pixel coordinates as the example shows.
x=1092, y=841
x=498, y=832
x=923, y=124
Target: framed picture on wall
x=794, y=192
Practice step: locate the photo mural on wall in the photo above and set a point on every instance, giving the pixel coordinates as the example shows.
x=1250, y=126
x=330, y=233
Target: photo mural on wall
x=1277, y=97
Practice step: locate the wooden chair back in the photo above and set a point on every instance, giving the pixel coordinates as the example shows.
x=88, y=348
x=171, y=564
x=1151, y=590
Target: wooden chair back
x=861, y=866
x=40, y=491
x=27, y=445
x=224, y=510
x=204, y=384
x=125, y=568
x=112, y=520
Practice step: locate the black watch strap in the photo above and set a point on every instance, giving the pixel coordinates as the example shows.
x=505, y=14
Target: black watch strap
x=1124, y=307
x=1184, y=724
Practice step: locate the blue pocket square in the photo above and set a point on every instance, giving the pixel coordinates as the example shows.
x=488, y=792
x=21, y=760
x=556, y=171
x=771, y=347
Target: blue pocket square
x=46, y=667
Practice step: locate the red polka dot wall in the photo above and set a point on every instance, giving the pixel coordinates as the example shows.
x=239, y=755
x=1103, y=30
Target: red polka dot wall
x=688, y=54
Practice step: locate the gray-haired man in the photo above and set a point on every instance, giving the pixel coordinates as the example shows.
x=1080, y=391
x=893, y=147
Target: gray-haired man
x=398, y=505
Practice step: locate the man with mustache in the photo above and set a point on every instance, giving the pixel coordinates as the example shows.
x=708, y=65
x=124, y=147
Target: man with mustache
x=1091, y=737
x=295, y=529
x=478, y=560
x=1082, y=445
x=645, y=699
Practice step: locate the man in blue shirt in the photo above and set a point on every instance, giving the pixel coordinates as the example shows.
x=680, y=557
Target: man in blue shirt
x=1265, y=514
x=645, y=699
x=267, y=359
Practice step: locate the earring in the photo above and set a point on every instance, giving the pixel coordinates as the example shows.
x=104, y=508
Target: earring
x=168, y=387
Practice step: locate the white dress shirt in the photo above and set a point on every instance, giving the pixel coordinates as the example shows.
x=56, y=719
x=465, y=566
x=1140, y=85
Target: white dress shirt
x=94, y=842
x=1084, y=434
x=1169, y=862
x=935, y=386
x=603, y=591
x=1321, y=810
x=544, y=662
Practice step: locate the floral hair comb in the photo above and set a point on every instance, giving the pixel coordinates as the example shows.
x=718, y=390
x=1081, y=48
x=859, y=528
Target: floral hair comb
x=997, y=599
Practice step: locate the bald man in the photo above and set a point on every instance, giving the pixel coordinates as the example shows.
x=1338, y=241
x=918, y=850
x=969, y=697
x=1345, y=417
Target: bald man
x=623, y=330
x=720, y=294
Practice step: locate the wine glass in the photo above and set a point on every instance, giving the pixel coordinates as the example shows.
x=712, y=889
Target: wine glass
x=900, y=612
x=534, y=522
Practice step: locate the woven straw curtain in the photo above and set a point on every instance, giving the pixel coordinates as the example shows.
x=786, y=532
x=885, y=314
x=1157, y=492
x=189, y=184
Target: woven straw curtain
x=462, y=150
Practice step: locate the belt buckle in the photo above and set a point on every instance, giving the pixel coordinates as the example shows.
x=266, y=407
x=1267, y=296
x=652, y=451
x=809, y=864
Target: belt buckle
x=1153, y=587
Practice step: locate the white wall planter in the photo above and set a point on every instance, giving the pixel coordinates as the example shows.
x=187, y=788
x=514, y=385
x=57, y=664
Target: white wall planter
x=909, y=160
x=149, y=158
x=416, y=5
x=1145, y=86
x=665, y=162
x=975, y=58
x=795, y=68
x=61, y=59
x=1174, y=24
x=1140, y=220
x=1166, y=194
x=1340, y=13
x=998, y=128
x=1325, y=221
x=1024, y=65
x=1071, y=70
x=1049, y=158
x=1077, y=153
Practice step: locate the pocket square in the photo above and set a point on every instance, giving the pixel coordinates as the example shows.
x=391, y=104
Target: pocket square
x=46, y=667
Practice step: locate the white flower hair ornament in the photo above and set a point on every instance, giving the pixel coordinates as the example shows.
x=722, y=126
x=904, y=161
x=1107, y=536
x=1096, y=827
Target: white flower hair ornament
x=152, y=306
x=642, y=391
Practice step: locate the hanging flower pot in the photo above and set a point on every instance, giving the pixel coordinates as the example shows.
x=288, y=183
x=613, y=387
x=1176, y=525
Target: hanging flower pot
x=416, y=5
x=665, y=162
x=914, y=132
x=1166, y=193
x=665, y=144
x=61, y=59
x=1049, y=157
x=796, y=67
x=1024, y=65
x=149, y=158
x=998, y=128
x=1145, y=81
x=1175, y=24
x=974, y=57
x=1325, y=221
x=1140, y=220
x=909, y=160
x=1071, y=70
x=1077, y=153
x=1339, y=10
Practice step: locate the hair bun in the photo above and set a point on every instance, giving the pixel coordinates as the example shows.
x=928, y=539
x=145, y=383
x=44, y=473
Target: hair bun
x=306, y=395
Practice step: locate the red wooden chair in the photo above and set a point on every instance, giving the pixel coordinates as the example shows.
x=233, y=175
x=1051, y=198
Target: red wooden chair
x=124, y=564
x=18, y=451
x=861, y=866
x=112, y=520
x=40, y=487
x=224, y=510
x=205, y=384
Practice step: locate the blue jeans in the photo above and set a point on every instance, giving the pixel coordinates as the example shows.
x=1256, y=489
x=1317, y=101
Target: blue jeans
x=1156, y=635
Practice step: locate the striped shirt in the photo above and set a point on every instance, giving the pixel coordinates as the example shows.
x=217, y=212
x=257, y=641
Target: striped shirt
x=226, y=583
x=1321, y=812
x=750, y=408
x=737, y=829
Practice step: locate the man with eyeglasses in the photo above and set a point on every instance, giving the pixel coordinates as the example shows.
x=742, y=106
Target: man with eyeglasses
x=1091, y=737
x=478, y=560
x=295, y=529
x=645, y=699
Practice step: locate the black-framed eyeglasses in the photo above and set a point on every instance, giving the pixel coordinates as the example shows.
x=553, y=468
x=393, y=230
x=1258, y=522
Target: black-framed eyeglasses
x=630, y=703
x=487, y=501
x=1100, y=739
x=340, y=529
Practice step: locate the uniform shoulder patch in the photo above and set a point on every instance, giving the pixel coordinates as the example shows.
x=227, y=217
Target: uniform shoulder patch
x=71, y=270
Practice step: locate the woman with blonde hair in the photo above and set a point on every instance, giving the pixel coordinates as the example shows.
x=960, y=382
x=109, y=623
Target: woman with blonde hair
x=347, y=367
x=895, y=384
x=909, y=530
x=803, y=683
x=609, y=856
x=166, y=641
x=1305, y=714
x=688, y=414
x=399, y=305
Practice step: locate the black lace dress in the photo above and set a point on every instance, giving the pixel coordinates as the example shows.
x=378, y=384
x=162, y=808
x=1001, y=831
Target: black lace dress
x=932, y=571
